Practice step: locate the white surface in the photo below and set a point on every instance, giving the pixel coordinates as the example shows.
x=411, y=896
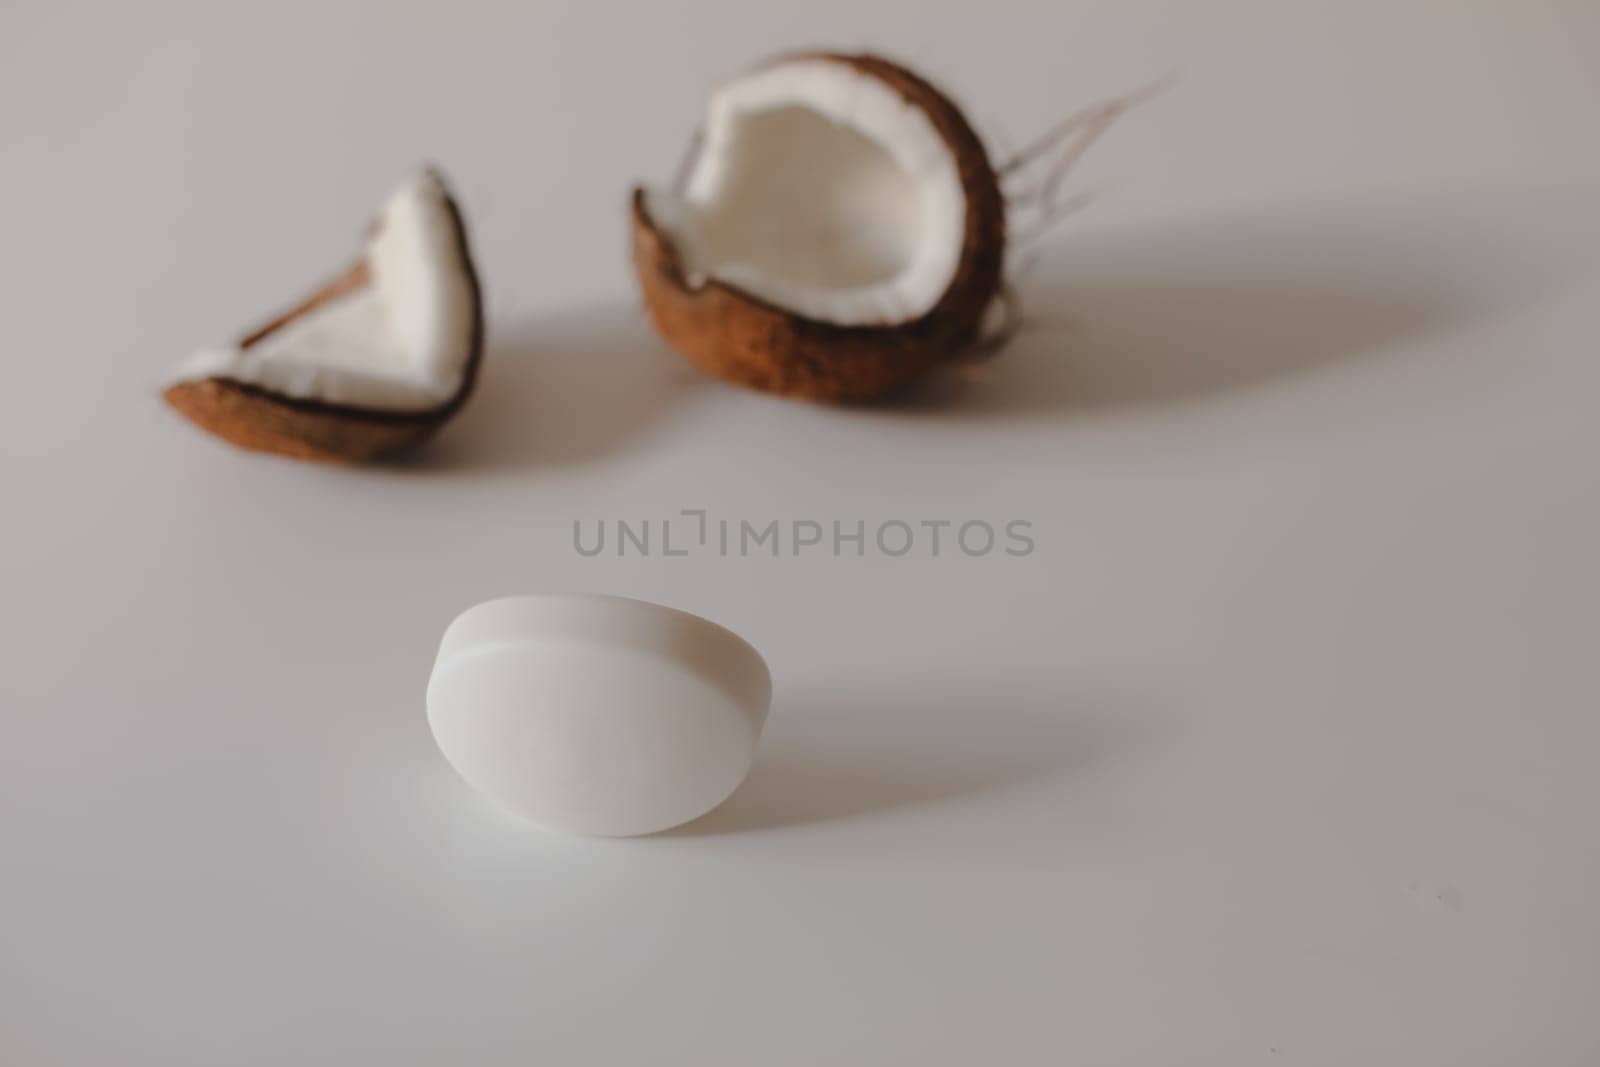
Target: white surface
x=1279, y=748
x=399, y=343
x=821, y=190
x=597, y=714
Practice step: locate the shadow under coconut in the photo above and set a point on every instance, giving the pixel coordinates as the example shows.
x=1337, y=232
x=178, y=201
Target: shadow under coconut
x=1162, y=314
x=828, y=758
x=562, y=389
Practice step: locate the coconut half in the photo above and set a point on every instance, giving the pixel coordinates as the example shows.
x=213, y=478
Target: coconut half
x=372, y=363
x=837, y=230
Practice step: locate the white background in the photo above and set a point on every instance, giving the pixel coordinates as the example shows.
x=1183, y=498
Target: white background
x=1279, y=749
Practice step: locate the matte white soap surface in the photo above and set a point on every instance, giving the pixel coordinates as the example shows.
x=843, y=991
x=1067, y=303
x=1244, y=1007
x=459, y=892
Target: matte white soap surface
x=597, y=714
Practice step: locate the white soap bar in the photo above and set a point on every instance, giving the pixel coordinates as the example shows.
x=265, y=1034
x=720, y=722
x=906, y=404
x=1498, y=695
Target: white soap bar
x=597, y=714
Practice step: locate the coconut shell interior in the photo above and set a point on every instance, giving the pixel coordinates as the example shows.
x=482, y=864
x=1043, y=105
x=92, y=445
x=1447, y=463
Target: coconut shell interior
x=254, y=418
x=731, y=334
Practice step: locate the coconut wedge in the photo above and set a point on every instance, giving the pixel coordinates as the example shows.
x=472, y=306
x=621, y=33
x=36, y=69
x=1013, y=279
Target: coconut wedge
x=837, y=230
x=372, y=363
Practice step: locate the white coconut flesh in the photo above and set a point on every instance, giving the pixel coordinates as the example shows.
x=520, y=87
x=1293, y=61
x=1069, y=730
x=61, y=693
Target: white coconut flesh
x=820, y=190
x=401, y=342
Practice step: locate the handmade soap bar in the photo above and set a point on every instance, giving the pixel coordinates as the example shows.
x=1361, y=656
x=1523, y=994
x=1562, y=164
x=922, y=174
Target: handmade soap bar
x=597, y=714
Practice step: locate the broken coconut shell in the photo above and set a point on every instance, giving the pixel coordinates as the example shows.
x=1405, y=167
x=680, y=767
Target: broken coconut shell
x=753, y=339
x=347, y=415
